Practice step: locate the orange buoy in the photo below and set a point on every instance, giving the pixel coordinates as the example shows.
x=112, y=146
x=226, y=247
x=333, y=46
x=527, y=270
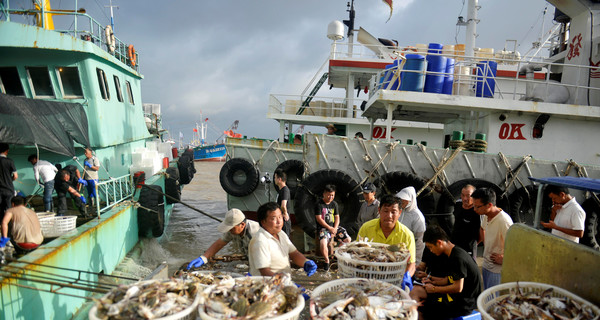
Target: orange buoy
x=131, y=55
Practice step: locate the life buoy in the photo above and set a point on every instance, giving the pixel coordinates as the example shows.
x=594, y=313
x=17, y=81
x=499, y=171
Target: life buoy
x=294, y=169
x=239, y=177
x=131, y=55
x=172, y=186
x=151, y=223
x=522, y=205
x=311, y=190
x=591, y=234
x=445, y=205
x=393, y=182
x=408, y=50
x=110, y=39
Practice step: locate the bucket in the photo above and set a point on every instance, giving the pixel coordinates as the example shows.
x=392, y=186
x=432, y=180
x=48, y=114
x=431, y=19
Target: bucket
x=484, y=53
x=421, y=48
x=413, y=81
x=459, y=52
x=409, y=142
x=165, y=162
x=457, y=135
x=463, y=85
x=139, y=179
x=448, y=77
x=175, y=153
x=448, y=50
x=486, y=79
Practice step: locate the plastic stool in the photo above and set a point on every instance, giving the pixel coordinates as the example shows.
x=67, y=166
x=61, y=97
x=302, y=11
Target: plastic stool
x=475, y=315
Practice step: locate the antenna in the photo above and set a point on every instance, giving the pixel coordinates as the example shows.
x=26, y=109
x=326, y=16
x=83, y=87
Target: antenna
x=112, y=20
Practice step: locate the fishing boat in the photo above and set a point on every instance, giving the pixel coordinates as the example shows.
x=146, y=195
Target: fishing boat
x=68, y=82
x=436, y=117
x=203, y=151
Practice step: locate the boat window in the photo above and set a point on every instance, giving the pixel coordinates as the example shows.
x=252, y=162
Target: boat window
x=103, y=83
x=118, y=89
x=70, y=84
x=39, y=79
x=10, y=82
x=129, y=92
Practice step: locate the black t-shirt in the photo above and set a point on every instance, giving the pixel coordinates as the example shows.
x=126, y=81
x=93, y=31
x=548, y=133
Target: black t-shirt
x=466, y=227
x=436, y=265
x=327, y=212
x=284, y=194
x=7, y=167
x=60, y=185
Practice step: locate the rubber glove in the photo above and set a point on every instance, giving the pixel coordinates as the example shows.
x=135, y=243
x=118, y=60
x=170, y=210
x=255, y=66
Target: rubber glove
x=310, y=267
x=303, y=290
x=407, y=282
x=83, y=199
x=198, y=262
x=4, y=241
x=83, y=182
x=87, y=164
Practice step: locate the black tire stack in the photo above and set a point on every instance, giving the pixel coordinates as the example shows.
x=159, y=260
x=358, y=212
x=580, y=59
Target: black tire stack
x=151, y=213
x=185, y=163
x=172, y=187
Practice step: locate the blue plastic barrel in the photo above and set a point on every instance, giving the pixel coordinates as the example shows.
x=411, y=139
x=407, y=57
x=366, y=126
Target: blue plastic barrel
x=435, y=63
x=448, y=77
x=486, y=79
x=413, y=81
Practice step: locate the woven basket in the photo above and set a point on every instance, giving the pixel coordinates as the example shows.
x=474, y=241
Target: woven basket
x=294, y=314
x=46, y=222
x=188, y=313
x=491, y=295
x=392, y=272
x=360, y=284
x=64, y=223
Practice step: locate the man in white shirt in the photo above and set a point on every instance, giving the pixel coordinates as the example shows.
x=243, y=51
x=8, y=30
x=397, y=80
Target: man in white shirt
x=46, y=171
x=568, y=218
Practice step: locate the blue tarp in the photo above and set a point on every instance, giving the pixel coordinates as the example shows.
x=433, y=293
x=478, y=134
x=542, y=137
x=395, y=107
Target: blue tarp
x=571, y=182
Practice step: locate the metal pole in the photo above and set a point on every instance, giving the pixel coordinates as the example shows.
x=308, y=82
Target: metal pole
x=471, y=28
x=538, y=206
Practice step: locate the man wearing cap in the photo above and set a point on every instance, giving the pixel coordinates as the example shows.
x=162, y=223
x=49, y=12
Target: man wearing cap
x=235, y=229
x=368, y=210
x=331, y=129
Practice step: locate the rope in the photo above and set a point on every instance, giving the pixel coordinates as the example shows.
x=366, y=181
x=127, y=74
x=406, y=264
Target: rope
x=390, y=148
x=265, y=152
x=435, y=168
x=443, y=166
x=512, y=173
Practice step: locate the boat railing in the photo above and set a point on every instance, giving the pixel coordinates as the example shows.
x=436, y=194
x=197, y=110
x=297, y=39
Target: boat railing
x=112, y=192
x=76, y=23
x=360, y=51
x=317, y=107
x=476, y=78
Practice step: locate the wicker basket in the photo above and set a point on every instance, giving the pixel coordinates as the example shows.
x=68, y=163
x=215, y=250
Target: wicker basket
x=188, y=313
x=63, y=224
x=491, y=295
x=392, y=272
x=46, y=222
x=294, y=314
x=360, y=284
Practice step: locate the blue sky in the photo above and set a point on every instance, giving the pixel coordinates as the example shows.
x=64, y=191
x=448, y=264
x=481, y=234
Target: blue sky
x=223, y=58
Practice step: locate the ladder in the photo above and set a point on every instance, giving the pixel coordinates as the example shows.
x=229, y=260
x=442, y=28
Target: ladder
x=313, y=92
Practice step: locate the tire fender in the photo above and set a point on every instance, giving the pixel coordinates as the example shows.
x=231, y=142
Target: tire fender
x=151, y=223
x=239, y=177
x=393, y=182
x=591, y=235
x=522, y=205
x=172, y=187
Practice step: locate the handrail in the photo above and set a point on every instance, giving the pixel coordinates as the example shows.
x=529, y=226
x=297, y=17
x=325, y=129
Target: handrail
x=112, y=192
x=96, y=33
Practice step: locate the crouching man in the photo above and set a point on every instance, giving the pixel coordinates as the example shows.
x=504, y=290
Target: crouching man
x=24, y=226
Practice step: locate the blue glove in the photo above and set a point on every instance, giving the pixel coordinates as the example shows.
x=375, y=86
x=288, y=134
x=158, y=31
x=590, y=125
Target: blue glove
x=303, y=290
x=407, y=282
x=83, y=182
x=87, y=164
x=198, y=262
x=83, y=199
x=310, y=267
x=4, y=241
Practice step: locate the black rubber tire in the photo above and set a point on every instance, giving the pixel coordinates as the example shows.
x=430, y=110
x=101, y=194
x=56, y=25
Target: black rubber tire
x=151, y=223
x=172, y=187
x=235, y=170
x=446, y=203
x=591, y=234
x=311, y=190
x=190, y=154
x=294, y=169
x=522, y=205
x=185, y=164
x=393, y=182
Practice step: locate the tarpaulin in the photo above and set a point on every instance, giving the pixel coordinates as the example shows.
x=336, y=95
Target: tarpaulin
x=51, y=125
x=571, y=182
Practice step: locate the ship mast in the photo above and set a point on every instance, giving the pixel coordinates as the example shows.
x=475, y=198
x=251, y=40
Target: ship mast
x=350, y=86
x=471, y=32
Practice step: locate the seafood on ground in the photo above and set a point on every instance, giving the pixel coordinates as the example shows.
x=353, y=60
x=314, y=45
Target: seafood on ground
x=205, y=278
x=374, y=252
x=147, y=299
x=363, y=299
x=250, y=297
x=536, y=305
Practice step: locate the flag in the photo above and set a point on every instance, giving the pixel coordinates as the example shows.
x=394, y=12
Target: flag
x=206, y=119
x=180, y=135
x=195, y=130
x=390, y=3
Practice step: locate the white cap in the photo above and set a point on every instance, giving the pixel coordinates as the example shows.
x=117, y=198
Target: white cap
x=233, y=217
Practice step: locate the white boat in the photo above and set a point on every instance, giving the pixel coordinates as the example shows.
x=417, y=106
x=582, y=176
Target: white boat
x=495, y=119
